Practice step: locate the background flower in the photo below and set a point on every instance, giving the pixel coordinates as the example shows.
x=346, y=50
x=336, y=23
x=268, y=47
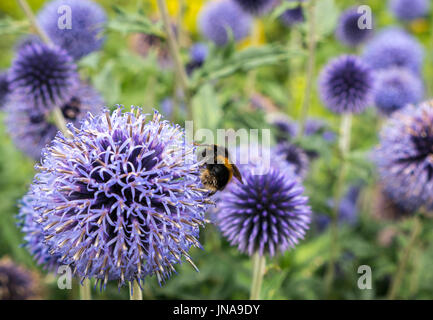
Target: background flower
x=293, y=16
x=348, y=28
x=42, y=76
x=409, y=9
x=217, y=18
x=4, y=88
x=396, y=88
x=393, y=47
x=346, y=85
x=85, y=33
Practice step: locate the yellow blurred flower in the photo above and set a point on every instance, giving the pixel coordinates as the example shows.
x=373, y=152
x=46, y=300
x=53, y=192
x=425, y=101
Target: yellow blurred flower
x=419, y=26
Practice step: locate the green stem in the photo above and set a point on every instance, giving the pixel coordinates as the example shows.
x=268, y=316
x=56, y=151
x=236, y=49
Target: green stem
x=252, y=75
x=398, y=278
x=85, y=292
x=310, y=66
x=57, y=113
x=344, y=148
x=259, y=263
x=175, y=55
x=136, y=294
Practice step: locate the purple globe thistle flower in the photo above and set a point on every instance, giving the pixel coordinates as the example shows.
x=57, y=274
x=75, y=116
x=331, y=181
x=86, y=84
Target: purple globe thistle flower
x=255, y=6
x=31, y=129
x=286, y=127
x=348, y=30
x=293, y=16
x=42, y=76
x=394, y=47
x=34, y=240
x=346, y=85
x=219, y=18
x=197, y=55
x=404, y=157
x=267, y=213
x=4, y=88
x=17, y=282
x=122, y=199
x=409, y=9
x=83, y=35
x=395, y=88
x=296, y=157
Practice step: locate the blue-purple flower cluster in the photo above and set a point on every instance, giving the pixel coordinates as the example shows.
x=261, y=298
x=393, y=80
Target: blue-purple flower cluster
x=122, y=199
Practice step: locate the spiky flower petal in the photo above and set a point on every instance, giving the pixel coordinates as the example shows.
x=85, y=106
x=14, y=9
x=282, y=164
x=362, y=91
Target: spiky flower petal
x=42, y=76
x=220, y=17
x=83, y=35
x=396, y=88
x=405, y=156
x=122, y=199
x=34, y=239
x=267, y=213
x=346, y=85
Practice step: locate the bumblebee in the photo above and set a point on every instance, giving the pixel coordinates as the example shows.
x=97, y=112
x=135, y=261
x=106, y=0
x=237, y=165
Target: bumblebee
x=217, y=170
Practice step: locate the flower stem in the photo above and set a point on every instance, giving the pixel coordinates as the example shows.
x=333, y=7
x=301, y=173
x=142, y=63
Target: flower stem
x=57, y=113
x=135, y=292
x=259, y=263
x=175, y=55
x=85, y=293
x=344, y=147
x=310, y=66
x=398, y=278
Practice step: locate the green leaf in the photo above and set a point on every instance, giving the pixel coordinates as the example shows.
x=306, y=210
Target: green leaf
x=9, y=26
x=206, y=108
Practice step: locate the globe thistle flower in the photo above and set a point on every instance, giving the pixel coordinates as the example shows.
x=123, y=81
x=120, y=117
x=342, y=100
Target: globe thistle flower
x=409, y=9
x=265, y=214
x=197, y=55
x=395, y=88
x=348, y=31
x=255, y=6
x=31, y=129
x=394, y=47
x=122, y=199
x=4, y=88
x=346, y=85
x=34, y=240
x=218, y=18
x=83, y=36
x=17, y=282
x=42, y=76
x=295, y=156
x=286, y=127
x=404, y=157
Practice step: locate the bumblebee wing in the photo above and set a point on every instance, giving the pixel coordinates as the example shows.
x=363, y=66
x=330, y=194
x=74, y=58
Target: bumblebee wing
x=237, y=173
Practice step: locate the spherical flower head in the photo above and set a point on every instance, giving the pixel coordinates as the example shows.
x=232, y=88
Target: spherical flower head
x=349, y=31
x=17, y=282
x=396, y=88
x=255, y=6
x=346, y=85
x=404, y=156
x=394, y=47
x=122, y=199
x=32, y=129
x=42, y=76
x=83, y=35
x=407, y=10
x=34, y=240
x=286, y=127
x=219, y=18
x=293, y=16
x=295, y=156
x=265, y=214
x=4, y=88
